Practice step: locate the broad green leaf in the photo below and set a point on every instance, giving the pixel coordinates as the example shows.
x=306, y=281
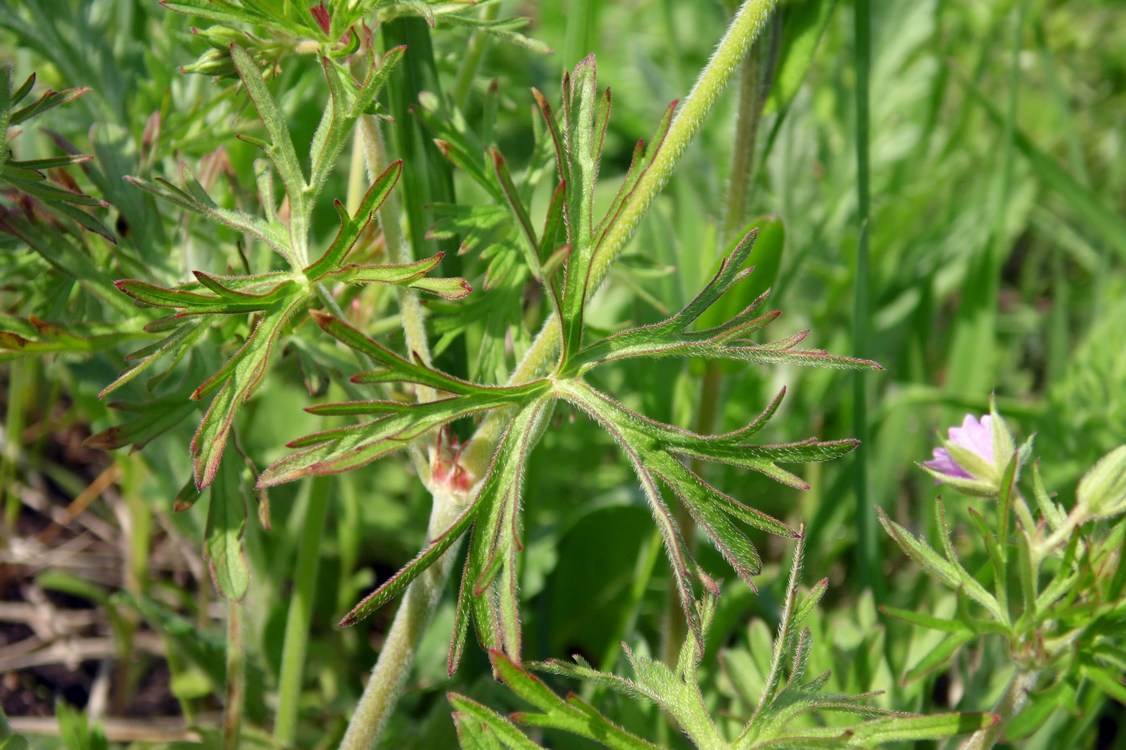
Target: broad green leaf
x=803, y=24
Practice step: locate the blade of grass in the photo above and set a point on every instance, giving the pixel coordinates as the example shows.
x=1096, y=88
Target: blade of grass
x=866, y=546
x=973, y=347
x=300, y=614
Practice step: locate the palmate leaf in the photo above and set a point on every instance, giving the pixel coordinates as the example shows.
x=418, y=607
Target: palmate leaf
x=788, y=695
x=673, y=337
x=26, y=181
x=275, y=299
x=657, y=452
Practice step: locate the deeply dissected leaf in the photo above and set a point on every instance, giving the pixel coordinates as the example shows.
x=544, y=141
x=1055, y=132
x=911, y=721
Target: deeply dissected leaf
x=233, y=385
x=352, y=226
x=673, y=336
x=347, y=103
x=481, y=728
x=571, y=715
x=19, y=338
x=949, y=572
x=194, y=198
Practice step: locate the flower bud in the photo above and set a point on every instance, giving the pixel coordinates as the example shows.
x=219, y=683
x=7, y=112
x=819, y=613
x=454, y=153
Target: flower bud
x=1102, y=490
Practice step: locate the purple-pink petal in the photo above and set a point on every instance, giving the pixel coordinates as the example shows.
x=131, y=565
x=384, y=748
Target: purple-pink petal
x=975, y=436
x=944, y=464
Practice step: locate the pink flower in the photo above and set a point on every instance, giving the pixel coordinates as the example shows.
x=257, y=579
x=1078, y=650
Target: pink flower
x=976, y=456
x=975, y=436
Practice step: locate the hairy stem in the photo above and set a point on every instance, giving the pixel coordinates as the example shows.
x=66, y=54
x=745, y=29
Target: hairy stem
x=300, y=614
x=414, y=614
x=410, y=624
x=422, y=596
x=1011, y=702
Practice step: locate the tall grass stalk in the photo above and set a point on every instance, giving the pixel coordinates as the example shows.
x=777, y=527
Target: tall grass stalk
x=233, y=707
x=866, y=545
x=300, y=615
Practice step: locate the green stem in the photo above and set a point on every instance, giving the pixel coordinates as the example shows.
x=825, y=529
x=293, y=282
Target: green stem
x=422, y=596
x=1011, y=702
x=410, y=624
x=300, y=615
x=744, y=29
x=236, y=678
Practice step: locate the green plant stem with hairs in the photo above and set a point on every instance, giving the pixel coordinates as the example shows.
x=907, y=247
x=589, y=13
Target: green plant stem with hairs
x=414, y=613
x=1010, y=703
